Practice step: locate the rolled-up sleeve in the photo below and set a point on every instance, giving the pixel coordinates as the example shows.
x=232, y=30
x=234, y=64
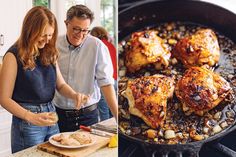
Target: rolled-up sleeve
x=104, y=68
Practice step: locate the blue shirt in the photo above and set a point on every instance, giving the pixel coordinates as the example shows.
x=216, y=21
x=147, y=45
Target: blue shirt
x=33, y=86
x=85, y=68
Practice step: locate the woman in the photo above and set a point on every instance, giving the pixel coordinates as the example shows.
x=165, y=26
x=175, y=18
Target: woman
x=29, y=78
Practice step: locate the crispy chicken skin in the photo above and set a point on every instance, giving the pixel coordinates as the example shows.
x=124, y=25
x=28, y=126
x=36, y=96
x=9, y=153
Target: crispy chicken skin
x=200, y=90
x=148, y=96
x=198, y=49
x=146, y=48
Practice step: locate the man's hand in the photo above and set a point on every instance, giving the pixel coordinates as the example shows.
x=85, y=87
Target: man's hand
x=80, y=99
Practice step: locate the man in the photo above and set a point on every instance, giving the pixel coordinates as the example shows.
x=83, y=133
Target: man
x=86, y=66
x=102, y=34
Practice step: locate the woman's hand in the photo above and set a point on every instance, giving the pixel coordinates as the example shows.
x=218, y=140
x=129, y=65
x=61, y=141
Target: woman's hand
x=40, y=119
x=80, y=99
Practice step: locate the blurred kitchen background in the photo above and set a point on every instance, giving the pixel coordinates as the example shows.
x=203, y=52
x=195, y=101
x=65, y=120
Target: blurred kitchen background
x=12, y=13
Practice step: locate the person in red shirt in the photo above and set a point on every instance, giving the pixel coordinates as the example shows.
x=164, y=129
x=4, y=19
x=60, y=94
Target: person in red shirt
x=103, y=35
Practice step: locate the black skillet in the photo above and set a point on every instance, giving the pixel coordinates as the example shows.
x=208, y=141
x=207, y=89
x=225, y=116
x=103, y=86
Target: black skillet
x=151, y=12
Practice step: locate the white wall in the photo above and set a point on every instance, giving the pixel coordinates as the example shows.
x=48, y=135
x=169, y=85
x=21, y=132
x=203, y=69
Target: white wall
x=59, y=10
x=12, y=13
x=95, y=6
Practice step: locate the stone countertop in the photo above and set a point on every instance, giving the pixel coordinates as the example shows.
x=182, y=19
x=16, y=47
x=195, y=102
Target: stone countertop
x=104, y=152
x=34, y=152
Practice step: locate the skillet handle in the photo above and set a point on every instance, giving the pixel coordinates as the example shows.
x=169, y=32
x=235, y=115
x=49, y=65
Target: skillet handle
x=179, y=154
x=194, y=153
x=129, y=151
x=165, y=155
x=223, y=149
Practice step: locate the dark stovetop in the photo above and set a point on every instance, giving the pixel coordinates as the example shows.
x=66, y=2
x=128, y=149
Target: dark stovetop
x=126, y=146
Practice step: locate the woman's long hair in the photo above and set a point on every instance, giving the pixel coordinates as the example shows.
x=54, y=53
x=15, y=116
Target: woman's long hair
x=34, y=24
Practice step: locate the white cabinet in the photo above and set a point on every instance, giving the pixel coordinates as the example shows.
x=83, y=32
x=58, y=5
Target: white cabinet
x=5, y=132
x=12, y=13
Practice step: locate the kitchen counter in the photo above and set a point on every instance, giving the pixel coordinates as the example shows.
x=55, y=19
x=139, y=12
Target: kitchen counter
x=104, y=152
x=34, y=152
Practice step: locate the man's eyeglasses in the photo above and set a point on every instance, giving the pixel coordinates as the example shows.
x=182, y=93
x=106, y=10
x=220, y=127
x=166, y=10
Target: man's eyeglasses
x=79, y=30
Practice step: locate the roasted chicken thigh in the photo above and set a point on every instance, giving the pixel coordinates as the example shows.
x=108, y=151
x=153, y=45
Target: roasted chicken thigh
x=148, y=96
x=146, y=48
x=198, y=49
x=200, y=90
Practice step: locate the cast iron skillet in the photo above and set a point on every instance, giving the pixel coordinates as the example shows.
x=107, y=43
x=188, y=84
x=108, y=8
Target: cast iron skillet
x=151, y=12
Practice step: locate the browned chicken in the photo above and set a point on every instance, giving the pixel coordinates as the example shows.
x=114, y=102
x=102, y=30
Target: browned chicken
x=198, y=49
x=200, y=90
x=148, y=96
x=146, y=48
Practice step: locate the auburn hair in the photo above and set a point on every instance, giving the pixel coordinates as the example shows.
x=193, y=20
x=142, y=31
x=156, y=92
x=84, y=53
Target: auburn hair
x=33, y=26
x=100, y=33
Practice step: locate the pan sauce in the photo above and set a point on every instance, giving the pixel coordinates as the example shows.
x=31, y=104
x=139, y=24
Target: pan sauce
x=179, y=128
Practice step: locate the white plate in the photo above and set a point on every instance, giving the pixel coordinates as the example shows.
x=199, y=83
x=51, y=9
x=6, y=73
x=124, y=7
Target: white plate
x=55, y=143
